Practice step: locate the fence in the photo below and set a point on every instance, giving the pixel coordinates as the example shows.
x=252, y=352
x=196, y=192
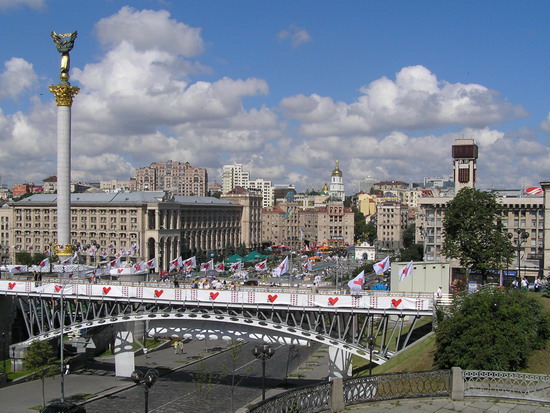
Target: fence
x=455, y=383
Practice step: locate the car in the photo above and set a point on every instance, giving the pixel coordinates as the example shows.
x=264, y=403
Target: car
x=65, y=407
x=253, y=283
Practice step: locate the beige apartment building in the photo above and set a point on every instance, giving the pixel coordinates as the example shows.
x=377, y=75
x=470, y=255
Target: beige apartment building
x=179, y=178
x=392, y=219
x=288, y=224
x=251, y=218
x=163, y=225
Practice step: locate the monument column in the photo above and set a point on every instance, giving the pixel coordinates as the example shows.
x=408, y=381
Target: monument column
x=64, y=95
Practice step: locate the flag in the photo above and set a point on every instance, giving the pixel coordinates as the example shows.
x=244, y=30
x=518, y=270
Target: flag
x=190, y=263
x=382, y=266
x=281, y=268
x=115, y=263
x=92, y=250
x=406, y=271
x=67, y=261
x=308, y=265
x=261, y=266
x=236, y=266
x=205, y=266
x=357, y=283
x=175, y=264
x=31, y=247
x=47, y=251
x=220, y=266
x=135, y=247
x=104, y=254
x=111, y=245
x=44, y=262
x=140, y=266
x=152, y=263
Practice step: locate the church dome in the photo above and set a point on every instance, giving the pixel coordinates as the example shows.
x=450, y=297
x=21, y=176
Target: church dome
x=337, y=171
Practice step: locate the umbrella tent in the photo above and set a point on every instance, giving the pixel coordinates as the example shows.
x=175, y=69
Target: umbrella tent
x=234, y=258
x=254, y=256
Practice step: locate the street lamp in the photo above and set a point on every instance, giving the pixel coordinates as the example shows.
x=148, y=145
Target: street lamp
x=263, y=352
x=146, y=382
x=371, y=341
x=522, y=236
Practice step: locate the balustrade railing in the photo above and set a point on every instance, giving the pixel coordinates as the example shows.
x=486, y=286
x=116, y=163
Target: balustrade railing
x=309, y=399
x=502, y=384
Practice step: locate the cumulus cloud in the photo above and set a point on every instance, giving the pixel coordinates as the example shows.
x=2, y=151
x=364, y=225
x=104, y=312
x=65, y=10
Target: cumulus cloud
x=18, y=77
x=295, y=34
x=149, y=30
x=13, y=4
x=545, y=124
x=416, y=99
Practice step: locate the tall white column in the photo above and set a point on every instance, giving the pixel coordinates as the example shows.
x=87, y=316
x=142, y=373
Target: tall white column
x=63, y=175
x=64, y=95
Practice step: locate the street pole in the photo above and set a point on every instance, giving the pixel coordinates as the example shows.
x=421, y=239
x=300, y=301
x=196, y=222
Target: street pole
x=61, y=355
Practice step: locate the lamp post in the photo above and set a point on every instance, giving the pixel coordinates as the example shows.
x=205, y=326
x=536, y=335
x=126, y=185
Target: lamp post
x=146, y=381
x=371, y=341
x=522, y=236
x=263, y=352
x=3, y=353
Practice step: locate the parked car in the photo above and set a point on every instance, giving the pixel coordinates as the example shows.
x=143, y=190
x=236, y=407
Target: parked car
x=253, y=283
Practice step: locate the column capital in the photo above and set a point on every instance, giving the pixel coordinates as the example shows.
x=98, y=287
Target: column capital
x=64, y=94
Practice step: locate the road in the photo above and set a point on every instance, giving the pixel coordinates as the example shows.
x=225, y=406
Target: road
x=206, y=386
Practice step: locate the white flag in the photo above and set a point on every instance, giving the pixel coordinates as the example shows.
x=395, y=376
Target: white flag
x=152, y=263
x=382, y=266
x=190, y=263
x=220, y=266
x=281, y=268
x=261, y=266
x=308, y=265
x=206, y=266
x=357, y=283
x=406, y=271
x=236, y=266
x=176, y=264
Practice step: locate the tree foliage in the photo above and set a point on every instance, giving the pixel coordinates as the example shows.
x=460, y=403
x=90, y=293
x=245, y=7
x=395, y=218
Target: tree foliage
x=491, y=329
x=474, y=233
x=41, y=359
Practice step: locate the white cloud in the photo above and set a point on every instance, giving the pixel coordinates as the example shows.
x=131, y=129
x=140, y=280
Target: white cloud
x=150, y=30
x=18, y=77
x=296, y=35
x=545, y=124
x=13, y=4
x=415, y=100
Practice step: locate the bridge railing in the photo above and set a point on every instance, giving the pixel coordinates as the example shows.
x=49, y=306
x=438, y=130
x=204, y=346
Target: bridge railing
x=455, y=383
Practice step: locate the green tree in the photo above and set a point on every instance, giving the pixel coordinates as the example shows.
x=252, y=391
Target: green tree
x=492, y=329
x=41, y=359
x=474, y=233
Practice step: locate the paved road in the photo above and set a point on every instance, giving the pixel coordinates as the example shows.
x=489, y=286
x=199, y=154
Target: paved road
x=206, y=386
x=198, y=385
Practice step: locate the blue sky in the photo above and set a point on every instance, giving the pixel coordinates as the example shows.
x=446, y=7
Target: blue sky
x=285, y=88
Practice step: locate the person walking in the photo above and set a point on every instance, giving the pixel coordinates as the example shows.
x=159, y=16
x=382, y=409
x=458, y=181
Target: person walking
x=145, y=351
x=180, y=347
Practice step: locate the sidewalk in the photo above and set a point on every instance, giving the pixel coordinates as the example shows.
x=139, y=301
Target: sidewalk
x=97, y=380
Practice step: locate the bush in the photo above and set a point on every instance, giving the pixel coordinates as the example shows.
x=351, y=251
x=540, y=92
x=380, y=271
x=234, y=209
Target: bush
x=491, y=330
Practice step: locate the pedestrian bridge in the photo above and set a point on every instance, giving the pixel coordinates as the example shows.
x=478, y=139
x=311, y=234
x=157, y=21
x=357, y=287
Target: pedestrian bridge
x=293, y=316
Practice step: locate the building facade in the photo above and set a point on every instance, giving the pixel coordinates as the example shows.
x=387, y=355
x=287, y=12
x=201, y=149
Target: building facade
x=179, y=178
x=266, y=189
x=233, y=176
x=251, y=217
x=392, y=219
x=288, y=224
x=163, y=225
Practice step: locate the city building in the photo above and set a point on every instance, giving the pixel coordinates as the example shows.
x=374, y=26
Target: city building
x=251, y=217
x=390, y=186
x=281, y=192
x=392, y=219
x=288, y=224
x=336, y=189
x=179, y=178
x=465, y=153
x=433, y=182
x=266, y=189
x=234, y=175
x=163, y=225
x=115, y=185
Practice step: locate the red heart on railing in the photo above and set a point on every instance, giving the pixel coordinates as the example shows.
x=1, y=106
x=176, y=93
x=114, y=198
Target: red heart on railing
x=58, y=288
x=158, y=293
x=395, y=302
x=213, y=296
x=106, y=290
x=11, y=285
x=272, y=298
x=120, y=270
x=333, y=301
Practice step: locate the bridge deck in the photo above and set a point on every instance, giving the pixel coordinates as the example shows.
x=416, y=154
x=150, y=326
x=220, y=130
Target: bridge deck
x=375, y=301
